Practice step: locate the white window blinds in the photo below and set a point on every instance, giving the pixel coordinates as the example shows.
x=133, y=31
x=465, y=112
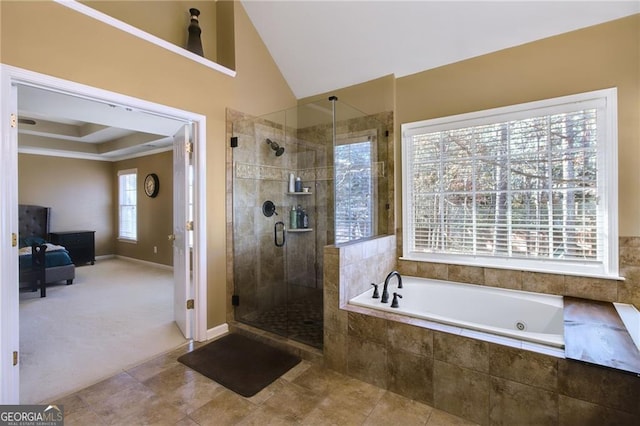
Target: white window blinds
x=521, y=187
x=127, y=195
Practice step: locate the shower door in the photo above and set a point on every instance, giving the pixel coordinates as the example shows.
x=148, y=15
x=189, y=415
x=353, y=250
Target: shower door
x=278, y=278
x=259, y=262
x=278, y=269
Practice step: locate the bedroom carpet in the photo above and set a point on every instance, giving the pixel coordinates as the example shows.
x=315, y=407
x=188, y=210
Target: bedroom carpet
x=118, y=313
x=239, y=363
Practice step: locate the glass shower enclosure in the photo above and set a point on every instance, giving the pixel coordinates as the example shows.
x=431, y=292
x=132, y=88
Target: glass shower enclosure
x=340, y=157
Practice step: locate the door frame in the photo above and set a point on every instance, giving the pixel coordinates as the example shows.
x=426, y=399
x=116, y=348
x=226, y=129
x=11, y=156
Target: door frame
x=10, y=78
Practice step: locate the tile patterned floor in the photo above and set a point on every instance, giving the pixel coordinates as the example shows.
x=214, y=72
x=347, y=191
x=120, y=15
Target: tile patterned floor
x=163, y=391
x=300, y=320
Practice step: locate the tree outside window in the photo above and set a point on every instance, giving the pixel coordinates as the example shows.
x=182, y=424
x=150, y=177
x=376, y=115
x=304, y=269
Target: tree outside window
x=514, y=187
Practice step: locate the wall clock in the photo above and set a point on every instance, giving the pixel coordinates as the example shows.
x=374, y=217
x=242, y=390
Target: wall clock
x=151, y=185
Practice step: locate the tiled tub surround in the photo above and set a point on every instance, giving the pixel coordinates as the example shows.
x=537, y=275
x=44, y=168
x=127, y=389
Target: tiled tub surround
x=485, y=382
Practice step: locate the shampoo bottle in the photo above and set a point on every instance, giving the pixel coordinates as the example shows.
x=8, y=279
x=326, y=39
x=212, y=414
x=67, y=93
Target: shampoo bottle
x=293, y=218
x=299, y=217
x=292, y=180
x=298, y=185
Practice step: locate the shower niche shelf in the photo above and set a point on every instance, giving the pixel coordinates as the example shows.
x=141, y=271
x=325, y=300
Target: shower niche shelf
x=300, y=230
x=299, y=193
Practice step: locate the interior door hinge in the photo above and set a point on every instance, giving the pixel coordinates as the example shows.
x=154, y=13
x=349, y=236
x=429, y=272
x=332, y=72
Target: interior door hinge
x=14, y=121
x=189, y=226
x=15, y=358
x=14, y=239
x=190, y=304
x=189, y=147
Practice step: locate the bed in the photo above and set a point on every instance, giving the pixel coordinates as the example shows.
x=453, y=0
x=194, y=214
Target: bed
x=55, y=265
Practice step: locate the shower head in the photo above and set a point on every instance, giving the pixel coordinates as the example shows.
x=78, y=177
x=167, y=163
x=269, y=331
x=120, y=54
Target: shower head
x=274, y=146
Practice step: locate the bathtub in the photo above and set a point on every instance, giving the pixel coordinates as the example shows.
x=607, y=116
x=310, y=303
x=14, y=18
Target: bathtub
x=521, y=315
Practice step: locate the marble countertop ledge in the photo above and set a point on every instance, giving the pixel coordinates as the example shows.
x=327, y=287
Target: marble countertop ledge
x=595, y=334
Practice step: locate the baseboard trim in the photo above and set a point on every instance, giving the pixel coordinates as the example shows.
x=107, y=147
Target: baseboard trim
x=105, y=256
x=145, y=262
x=217, y=331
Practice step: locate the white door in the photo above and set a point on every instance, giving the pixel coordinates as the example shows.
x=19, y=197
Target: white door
x=183, y=288
x=9, y=313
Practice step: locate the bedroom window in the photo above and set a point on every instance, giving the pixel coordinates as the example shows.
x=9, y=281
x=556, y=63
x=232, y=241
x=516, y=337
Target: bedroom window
x=526, y=187
x=128, y=194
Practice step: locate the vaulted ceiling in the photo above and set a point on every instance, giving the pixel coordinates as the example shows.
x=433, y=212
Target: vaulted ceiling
x=321, y=46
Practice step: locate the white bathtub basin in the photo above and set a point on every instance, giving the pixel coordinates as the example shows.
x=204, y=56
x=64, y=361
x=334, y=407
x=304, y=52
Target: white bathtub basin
x=531, y=317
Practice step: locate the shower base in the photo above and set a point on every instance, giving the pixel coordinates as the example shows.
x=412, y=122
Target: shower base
x=299, y=320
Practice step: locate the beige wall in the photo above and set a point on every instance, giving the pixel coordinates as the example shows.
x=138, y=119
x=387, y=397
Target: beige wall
x=369, y=97
x=155, y=215
x=78, y=192
x=258, y=88
x=83, y=195
x=598, y=57
x=167, y=20
x=225, y=34
x=72, y=46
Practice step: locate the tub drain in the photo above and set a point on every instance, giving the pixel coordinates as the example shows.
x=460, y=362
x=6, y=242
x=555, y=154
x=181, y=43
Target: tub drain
x=521, y=326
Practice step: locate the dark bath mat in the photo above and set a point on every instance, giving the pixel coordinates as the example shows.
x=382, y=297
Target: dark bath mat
x=240, y=363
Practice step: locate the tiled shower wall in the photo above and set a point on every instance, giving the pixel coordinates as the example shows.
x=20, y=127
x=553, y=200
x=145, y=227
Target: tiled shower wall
x=308, y=152
x=380, y=124
x=267, y=273
x=481, y=381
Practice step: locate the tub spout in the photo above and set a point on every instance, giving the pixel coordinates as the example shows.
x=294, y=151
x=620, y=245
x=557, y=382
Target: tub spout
x=385, y=292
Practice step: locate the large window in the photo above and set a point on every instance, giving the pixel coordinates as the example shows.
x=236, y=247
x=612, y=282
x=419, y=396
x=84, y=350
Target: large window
x=531, y=186
x=355, y=188
x=127, y=196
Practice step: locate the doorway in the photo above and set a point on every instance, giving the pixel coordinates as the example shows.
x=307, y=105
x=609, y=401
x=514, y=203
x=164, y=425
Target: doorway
x=14, y=78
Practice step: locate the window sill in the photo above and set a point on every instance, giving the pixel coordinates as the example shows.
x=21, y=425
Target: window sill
x=128, y=241
x=513, y=266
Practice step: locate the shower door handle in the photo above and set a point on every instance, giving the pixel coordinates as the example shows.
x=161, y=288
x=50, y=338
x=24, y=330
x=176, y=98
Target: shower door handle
x=278, y=228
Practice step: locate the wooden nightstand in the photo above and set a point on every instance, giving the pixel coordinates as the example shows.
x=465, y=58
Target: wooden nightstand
x=80, y=245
